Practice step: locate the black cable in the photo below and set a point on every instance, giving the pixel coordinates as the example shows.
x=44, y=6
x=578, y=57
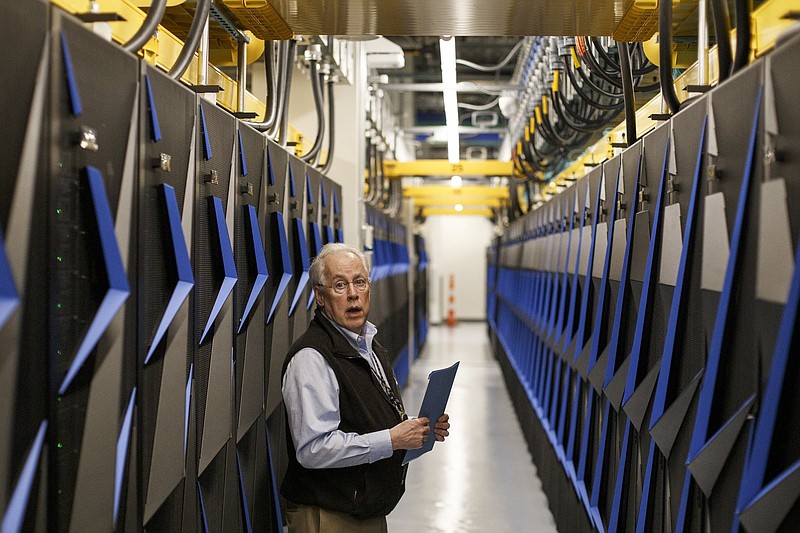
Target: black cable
x=583, y=96
x=722, y=31
x=627, y=89
x=588, y=81
x=327, y=165
x=319, y=106
x=192, y=39
x=529, y=155
x=280, y=82
x=148, y=27
x=665, y=56
x=563, y=110
x=271, y=85
x=743, y=37
x=607, y=58
x=286, y=90
x=595, y=68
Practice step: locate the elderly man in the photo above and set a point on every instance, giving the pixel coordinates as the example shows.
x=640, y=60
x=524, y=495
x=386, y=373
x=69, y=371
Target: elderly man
x=348, y=431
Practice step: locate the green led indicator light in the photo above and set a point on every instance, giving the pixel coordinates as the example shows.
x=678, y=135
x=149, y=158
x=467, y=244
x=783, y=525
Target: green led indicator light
x=59, y=258
x=60, y=445
x=58, y=306
x=58, y=211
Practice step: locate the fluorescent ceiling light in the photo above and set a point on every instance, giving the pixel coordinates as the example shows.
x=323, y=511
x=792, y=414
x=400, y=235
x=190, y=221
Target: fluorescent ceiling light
x=455, y=182
x=447, y=49
x=459, y=207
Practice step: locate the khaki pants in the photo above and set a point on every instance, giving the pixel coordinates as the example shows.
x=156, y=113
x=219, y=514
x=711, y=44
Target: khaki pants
x=312, y=519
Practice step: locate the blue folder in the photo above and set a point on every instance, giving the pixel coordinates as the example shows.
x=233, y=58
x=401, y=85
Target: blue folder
x=440, y=382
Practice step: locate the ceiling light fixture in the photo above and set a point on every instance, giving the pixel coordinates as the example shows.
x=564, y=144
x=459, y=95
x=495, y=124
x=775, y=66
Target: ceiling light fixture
x=455, y=182
x=447, y=49
x=459, y=208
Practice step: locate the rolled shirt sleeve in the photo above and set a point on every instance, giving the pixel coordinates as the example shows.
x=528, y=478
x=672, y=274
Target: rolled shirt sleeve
x=311, y=395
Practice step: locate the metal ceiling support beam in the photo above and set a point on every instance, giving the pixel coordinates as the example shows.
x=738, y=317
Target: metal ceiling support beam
x=428, y=211
x=442, y=167
x=479, y=191
x=461, y=87
x=452, y=200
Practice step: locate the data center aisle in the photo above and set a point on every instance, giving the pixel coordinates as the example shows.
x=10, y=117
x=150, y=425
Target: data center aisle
x=482, y=478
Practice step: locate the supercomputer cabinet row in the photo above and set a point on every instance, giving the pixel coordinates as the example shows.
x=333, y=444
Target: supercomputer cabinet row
x=646, y=318
x=154, y=256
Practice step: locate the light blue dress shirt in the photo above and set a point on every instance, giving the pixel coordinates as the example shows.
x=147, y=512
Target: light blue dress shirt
x=311, y=395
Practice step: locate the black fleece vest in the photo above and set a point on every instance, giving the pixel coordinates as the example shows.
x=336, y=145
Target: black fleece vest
x=363, y=491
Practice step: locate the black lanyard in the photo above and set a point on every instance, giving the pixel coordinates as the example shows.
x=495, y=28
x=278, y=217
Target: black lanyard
x=395, y=401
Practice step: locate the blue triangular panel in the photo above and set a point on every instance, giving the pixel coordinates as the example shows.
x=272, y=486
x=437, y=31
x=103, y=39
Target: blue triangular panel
x=15, y=512
x=228, y=265
x=203, y=518
x=206, y=139
x=261, y=264
x=242, y=158
x=271, y=171
x=9, y=299
x=316, y=246
x=309, y=191
x=316, y=238
x=286, y=263
x=118, y=289
x=69, y=72
x=302, y=245
x=323, y=194
x=186, y=409
x=769, y=508
x=722, y=325
x=785, y=348
x=122, y=452
x=185, y=278
x=155, y=129
x=707, y=463
x=275, y=493
x=245, y=511
x=678, y=299
x=648, y=290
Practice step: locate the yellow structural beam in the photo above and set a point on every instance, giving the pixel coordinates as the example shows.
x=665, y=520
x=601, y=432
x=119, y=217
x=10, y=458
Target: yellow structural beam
x=443, y=167
x=163, y=49
x=473, y=191
x=453, y=200
x=428, y=211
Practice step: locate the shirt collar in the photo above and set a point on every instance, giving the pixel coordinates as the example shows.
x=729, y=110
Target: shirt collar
x=367, y=332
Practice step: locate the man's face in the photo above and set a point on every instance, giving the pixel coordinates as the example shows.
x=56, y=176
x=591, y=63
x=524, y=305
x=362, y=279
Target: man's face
x=349, y=310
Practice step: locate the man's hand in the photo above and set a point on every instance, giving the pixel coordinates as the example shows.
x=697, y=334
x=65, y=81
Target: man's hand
x=410, y=434
x=442, y=426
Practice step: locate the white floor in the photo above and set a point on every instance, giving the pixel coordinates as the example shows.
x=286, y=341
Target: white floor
x=482, y=478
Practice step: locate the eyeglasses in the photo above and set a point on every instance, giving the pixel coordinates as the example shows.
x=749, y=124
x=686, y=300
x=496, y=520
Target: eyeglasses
x=340, y=287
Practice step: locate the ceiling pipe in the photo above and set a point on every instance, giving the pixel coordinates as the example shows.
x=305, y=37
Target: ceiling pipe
x=270, y=53
x=313, y=54
x=196, y=30
x=148, y=27
x=325, y=167
x=665, y=56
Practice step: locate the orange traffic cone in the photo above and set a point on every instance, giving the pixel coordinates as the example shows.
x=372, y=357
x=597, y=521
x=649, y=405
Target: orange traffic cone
x=451, y=312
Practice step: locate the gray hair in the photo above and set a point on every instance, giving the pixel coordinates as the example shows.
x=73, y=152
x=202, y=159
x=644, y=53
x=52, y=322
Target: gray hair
x=317, y=271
